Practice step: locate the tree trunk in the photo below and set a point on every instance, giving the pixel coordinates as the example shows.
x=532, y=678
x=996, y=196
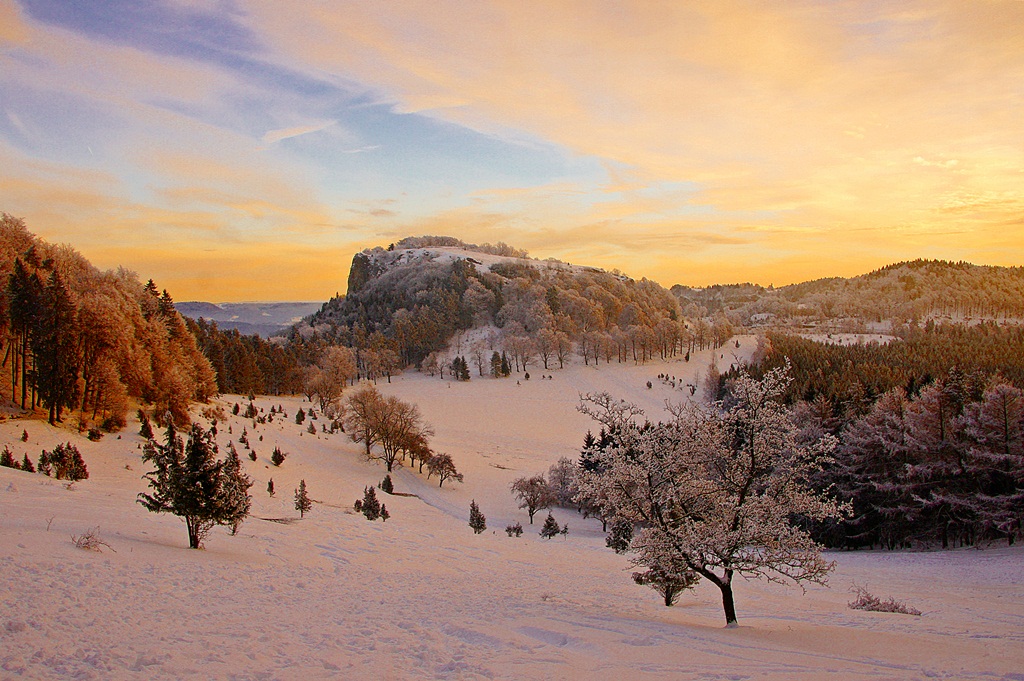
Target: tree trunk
x=727, y=601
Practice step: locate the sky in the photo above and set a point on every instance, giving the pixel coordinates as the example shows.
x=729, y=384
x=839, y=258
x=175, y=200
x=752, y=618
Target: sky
x=239, y=150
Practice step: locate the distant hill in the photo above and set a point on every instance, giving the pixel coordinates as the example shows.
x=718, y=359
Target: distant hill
x=898, y=294
x=263, y=319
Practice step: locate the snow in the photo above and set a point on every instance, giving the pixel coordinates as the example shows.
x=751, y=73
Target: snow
x=422, y=596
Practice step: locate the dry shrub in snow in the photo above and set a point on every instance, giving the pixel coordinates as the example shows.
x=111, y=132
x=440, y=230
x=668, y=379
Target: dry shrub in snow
x=868, y=601
x=90, y=541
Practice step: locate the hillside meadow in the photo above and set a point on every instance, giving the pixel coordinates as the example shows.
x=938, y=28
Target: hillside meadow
x=423, y=597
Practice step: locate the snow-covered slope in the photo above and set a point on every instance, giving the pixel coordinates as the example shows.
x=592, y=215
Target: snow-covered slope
x=421, y=596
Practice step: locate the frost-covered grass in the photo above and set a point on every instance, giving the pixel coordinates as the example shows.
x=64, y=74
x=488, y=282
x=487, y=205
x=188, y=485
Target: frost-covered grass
x=865, y=600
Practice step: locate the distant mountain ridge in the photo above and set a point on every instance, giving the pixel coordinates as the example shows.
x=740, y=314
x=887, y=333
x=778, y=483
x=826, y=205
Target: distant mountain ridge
x=263, y=319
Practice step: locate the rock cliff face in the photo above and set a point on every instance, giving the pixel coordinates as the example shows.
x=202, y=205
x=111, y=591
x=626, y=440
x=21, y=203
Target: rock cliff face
x=364, y=268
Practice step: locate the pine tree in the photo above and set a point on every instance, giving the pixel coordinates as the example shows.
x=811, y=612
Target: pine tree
x=55, y=349
x=7, y=458
x=236, y=486
x=477, y=520
x=278, y=457
x=551, y=527
x=514, y=530
x=26, y=465
x=67, y=463
x=145, y=427
x=387, y=486
x=506, y=368
x=384, y=515
x=370, y=507
x=270, y=487
x=300, y=416
x=188, y=481
x=302, y=502
x=620, y=536
x=496, y=364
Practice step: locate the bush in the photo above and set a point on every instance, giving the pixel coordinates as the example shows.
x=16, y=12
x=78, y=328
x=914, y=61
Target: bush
x=515, y=530
x=90, y=541
x=870, y=602
x=95, y=435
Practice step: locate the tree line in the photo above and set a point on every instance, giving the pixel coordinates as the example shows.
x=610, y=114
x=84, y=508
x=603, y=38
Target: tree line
x=80, y=340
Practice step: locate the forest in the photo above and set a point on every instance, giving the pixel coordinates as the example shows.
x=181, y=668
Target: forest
x=81, y=342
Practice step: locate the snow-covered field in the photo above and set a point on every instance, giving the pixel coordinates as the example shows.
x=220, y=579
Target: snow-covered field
x=421, y=596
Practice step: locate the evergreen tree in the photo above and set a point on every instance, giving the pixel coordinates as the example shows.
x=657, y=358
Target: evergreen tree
x=620, y=536
x=300, y=416
x=387, y=486
x=370, y=506
x=302, y=502
x=7, y=458
x=550, y=528
x=496, y=365
x=278, y=457
x=384, y=515
x=236, y=486
x=145, y=427
x=270, y=487
x=188, y=481
x=55, y=349
x=514, y=530
x=67, y=463
x=506, y=368
x=477, y=520
x=26, y=465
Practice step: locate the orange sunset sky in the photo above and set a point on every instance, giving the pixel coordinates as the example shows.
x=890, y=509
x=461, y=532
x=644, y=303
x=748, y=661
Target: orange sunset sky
x=244, y=150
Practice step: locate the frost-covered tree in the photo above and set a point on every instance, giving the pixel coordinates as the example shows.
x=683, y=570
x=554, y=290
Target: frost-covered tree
x=715, y=489
x=188, y=481
x=443, y=467
x=302, y=501
x=533, y=494
x=667, y=583
x=620, y=536
x=477, y=520
x=66, y=461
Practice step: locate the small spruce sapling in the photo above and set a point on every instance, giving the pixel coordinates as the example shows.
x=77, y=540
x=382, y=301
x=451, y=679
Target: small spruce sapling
x=7, y=458
x=311, y=429
x=551, y=527
x=384, y=515
x=145, y=426
x=300, y=416
x=278, y=457
x=387, y=486
x=24, y=436
x=515, y=530
x=477, y=520
x=270, y=487
x=302, y=501
x=26, y=465
x=370, y=506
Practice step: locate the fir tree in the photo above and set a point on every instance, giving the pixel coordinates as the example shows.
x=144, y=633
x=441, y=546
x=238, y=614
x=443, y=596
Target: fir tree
x=278, y=457
x=26, y=465
x=506, y=368
x=44, y=464
x=236, y=486
x=620, y=536
x=387, y=486
x=514, y=530
x=145, y=427
x=302, y=502
x=551, y=527
x=477, y=520
x=370, y=506
x=189, y=482
x=67, y=463
x=24, y=436
x=311, y=429
x=300, y=416
x=270, y=487
x=384, y=515
x=7, y=458
x=496, y=364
